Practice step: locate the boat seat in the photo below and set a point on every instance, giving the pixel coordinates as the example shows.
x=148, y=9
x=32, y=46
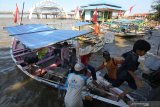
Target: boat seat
x=19, y=51
x=39, y=63
x=23, y=54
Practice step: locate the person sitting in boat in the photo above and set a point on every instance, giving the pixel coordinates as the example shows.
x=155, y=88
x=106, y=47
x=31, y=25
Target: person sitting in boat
x=65, y=55
x=75, y=83
x=32, y=67
x=42, y=53
x=130, y=64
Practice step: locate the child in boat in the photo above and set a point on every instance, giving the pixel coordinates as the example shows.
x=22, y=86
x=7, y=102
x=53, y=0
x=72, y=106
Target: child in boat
x=75, y=83
x=65, y=55
x=126, y=71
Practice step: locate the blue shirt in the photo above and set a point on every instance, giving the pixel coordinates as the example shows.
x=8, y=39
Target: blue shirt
x=130, y=64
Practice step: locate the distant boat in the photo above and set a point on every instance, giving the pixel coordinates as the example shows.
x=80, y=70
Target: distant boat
x=123, y=28
x=30, y=39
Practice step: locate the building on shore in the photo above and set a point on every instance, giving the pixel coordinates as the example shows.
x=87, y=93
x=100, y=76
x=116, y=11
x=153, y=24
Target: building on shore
x=47, y=9
x=141, y=16
x=105, y=10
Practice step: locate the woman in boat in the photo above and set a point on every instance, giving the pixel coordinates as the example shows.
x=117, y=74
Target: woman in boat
x=75, y=83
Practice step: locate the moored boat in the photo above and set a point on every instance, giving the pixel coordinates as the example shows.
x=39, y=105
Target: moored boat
x=30, y=39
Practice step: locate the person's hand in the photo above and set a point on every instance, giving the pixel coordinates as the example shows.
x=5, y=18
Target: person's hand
x=122, y=95
x=89, y=98
x=139, y=83
x=95, y=82
x=92, y=44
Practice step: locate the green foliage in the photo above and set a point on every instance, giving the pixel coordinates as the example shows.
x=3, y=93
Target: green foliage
x=156, y=7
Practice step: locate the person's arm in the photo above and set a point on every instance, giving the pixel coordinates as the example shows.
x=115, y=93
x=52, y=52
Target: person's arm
x=137, y=80
x=132, y=74
x=130, y=66
x=100, y=67
x=125, y=92
x=86, y=50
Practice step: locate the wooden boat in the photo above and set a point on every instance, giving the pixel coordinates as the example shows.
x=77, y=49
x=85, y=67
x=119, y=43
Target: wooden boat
x=29, y=39
x=123, y=28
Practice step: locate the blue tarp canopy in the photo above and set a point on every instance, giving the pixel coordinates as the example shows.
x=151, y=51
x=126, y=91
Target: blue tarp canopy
x=77, y=24
x=36, y=36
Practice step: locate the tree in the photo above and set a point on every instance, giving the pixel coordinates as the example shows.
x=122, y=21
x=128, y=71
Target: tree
x=156, y=7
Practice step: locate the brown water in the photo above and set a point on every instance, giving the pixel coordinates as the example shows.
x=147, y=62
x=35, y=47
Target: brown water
x=18, y=90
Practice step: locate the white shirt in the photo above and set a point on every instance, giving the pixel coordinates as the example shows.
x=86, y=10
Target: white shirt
x=73, y=96
x=82, y=51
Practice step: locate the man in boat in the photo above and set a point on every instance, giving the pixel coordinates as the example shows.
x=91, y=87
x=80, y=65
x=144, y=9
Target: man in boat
x=83, y=56
x=75, y=83
x=65, y=54
x=130, y=64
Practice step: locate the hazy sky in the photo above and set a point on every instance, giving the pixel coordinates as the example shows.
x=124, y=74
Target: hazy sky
x=141, y=6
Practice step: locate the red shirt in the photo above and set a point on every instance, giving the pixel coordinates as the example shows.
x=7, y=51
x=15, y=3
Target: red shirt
x=85, y=59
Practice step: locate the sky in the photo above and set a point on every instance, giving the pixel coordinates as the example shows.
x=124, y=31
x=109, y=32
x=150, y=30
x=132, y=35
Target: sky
x=141, y=6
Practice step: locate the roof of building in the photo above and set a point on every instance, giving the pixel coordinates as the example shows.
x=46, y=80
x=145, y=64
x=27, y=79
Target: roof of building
x=102, y=4
x=102, y=7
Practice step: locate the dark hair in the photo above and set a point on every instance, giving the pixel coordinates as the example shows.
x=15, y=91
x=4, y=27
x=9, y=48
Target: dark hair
x=106, y=54
x=141, y=45
x=65, y=43
x=73, y=50
x=31, y=60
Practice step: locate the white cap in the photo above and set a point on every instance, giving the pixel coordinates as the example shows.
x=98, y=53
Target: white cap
x=78, y=66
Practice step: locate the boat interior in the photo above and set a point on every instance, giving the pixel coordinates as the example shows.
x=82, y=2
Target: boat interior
x=49, y=67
